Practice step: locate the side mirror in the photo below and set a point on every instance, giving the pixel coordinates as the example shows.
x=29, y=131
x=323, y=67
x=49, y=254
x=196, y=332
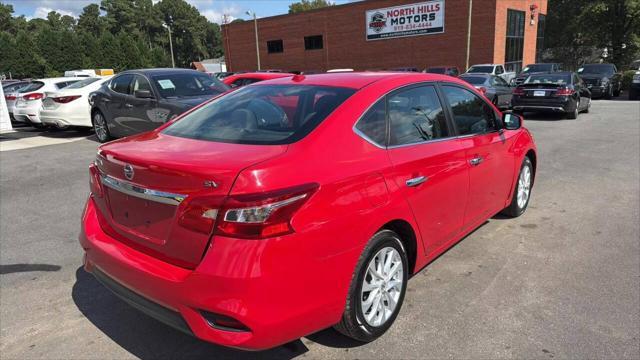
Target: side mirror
x=511, y=121
x=143, y=94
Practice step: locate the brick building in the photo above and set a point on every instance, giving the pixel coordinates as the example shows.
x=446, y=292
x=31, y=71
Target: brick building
x=385, y=34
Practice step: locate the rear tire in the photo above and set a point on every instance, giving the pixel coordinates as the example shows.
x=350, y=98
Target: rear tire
x=522, y=190
x=375, y=288
x=586, y=111
x=573, y=114
x=100, y=126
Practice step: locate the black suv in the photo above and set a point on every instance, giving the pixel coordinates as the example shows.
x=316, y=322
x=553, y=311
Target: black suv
x=603, y=80
x=141, y=100
x=535, y=69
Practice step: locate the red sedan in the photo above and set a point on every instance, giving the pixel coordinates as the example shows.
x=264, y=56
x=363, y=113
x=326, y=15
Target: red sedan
x=297, y=204
x=243, y=79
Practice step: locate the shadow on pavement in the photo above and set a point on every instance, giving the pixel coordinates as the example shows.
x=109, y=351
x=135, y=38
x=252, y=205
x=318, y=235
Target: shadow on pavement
x=15, y=268
x=146, y=338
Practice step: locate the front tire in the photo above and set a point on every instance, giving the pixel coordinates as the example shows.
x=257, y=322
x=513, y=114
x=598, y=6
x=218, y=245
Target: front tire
x=377, y=288
x=609, y=94
x=100, y=127
x=522, y=191
x=573, y=114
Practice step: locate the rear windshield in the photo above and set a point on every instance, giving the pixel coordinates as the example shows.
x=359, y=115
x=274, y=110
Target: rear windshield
x=35, y=85
x=474, y=80
x=261, y=114
x=179, y=85
x=82, y=83
x=598, y=69
x=436, y=70
x=537, y=68
x=548, y=79
x=481, y=69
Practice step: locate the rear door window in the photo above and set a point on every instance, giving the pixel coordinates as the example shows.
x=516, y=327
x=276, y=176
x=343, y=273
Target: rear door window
x=373, y=124
x=471, y=114
x=416, y=115
x=262, y=114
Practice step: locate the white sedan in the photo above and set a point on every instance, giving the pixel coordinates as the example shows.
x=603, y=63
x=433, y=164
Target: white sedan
x=29, y=99
x=70, y=106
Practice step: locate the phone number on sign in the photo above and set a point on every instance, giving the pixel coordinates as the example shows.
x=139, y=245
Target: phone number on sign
x=412, y=26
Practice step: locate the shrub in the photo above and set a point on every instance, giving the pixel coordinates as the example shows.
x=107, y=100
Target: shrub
x=627, y=77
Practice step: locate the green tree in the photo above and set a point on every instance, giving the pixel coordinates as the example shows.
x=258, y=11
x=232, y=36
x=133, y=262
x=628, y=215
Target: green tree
x=306, y=5
x=90, y=20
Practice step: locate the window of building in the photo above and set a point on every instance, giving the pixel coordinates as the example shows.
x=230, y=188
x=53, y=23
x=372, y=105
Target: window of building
x=313, y=42
x=415, y=115
x=275, y=46
x=542, y=20
x=515, y=40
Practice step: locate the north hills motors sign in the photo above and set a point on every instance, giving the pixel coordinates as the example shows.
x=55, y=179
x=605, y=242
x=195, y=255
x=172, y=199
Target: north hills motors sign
x=405, y=20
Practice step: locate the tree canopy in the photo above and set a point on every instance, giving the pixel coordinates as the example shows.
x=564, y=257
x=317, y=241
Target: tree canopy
x=117, y=34
x=306, y=5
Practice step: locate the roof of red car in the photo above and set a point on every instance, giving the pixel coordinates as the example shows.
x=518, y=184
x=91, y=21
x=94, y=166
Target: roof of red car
x=355, y=80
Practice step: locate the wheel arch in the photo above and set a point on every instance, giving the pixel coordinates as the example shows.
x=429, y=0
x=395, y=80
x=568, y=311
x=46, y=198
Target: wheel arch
x=408, y=237
x=531, y=154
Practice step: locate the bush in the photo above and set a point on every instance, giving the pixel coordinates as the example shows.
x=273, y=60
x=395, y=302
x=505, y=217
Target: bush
x=627, y=77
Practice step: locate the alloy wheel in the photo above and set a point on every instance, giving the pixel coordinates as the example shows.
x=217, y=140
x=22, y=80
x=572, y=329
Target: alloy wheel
x=524, y=186
x=382, y=286
x=100, y=126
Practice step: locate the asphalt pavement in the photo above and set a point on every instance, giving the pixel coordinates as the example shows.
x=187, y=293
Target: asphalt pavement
x=562, y=281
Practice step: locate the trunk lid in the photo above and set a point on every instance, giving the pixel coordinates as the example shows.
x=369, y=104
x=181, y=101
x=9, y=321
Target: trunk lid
x=541, y=90
x=141, y=206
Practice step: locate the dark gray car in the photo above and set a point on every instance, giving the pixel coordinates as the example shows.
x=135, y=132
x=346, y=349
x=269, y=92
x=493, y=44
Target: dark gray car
x=141, y=100
x=494, y=88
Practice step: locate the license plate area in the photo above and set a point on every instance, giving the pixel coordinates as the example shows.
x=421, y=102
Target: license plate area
x=141, y=219
x=539, y=93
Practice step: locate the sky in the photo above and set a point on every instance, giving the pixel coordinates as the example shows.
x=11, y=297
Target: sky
x=211, y=9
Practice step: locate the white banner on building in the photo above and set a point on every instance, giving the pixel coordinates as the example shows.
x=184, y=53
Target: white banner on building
x=406, y=20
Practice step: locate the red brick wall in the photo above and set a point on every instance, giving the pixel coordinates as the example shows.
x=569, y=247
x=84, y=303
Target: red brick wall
x=343, y=30
x=530, y=31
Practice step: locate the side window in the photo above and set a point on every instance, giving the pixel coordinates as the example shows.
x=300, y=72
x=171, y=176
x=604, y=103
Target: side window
x=500, y=81
x=499, y=70
x=416, y=115
x=141, y=83
x=238, y=82
x=470, y=113
x=373, y=124
x=121, y=84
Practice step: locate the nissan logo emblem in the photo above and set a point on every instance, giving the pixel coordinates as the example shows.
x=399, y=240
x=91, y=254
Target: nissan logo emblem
x=128, y=172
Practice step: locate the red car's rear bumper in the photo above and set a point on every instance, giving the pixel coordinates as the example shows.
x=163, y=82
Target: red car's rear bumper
x=255, y=282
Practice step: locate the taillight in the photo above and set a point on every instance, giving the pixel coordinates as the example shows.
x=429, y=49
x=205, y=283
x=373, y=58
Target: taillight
x=65, y=99
x=200, y=213
x=10, y=97
x=95, y=184
x=518, y=91
x=565, y=92
x=34, y=96
x=263, y=215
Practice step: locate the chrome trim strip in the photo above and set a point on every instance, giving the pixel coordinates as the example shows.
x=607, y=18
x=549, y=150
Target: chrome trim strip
x=525, y=107
x=141, y=192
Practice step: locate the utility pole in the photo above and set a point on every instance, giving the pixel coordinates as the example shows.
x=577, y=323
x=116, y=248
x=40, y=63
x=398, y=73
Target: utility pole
x=255, y=25
x=173, y=62
x=469, y=34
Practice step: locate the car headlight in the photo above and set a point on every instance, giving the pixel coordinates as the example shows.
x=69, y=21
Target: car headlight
x=605, y=81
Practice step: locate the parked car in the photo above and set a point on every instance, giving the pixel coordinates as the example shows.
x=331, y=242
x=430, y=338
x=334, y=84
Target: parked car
x=493, y=87
x=634, y=88
x=405, y=69
x=493, y=69
x=28, y=100
x=9, y=88
x=538, y=68
x=141, y=100
x=603, y=80
x=80, y=73
x=445, y=70
x=243, y=79
x=244, y=224
x=69, y=106
x=556, y=91
x=223, y=74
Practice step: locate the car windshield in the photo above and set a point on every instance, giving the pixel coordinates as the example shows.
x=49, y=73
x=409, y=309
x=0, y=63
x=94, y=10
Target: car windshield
x=35, y=85
x=557, y=79
x=481, y=69
x=261, y=114
x=598, y=69
x=436, y=70
x=179, y=85
x=474, y=80
x=537, y=68
x=82, y=83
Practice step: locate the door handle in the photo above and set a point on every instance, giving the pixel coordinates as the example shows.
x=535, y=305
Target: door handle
x=416, y=181
x=128, y=106
x=476, y=161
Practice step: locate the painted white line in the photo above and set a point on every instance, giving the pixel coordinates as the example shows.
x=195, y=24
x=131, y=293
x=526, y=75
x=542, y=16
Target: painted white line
x=35, y=141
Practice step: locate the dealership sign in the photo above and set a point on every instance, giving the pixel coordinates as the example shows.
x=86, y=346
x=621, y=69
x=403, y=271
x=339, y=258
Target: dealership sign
x=405, y=20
